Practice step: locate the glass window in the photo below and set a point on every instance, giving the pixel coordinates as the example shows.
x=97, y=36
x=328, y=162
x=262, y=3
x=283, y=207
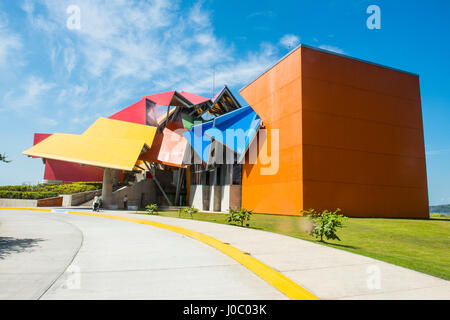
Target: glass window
x=237, y=174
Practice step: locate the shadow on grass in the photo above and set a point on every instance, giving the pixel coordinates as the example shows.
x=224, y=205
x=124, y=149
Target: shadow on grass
x=438, y=219
x=9, y=245
x=337, y=245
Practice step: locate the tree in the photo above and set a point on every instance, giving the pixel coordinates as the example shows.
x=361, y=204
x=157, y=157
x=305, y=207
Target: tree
x=3, y=158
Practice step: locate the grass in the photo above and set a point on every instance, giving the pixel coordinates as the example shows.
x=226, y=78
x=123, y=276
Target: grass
x=421, y=245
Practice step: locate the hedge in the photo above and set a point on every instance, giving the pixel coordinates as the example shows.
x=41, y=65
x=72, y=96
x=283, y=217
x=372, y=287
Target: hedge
x=27, y=195
x=42, y=191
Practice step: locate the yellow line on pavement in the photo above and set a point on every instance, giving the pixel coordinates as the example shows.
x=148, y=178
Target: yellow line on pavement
x=276, y=279
x=30, y=209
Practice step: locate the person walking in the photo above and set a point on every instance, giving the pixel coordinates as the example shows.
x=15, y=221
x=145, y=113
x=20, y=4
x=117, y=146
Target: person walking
x=96, y=204
x=125, y=202
x=100, y=203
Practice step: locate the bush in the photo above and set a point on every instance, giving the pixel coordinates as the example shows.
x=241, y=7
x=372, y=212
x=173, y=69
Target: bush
x=96, y=185
x=239, y=216
x=15, y=188
x=152, y=209
x=27, y=195
x=58, y=188
x=326, y=223
x=67, y=188
x=42, y=191
x=190, y=211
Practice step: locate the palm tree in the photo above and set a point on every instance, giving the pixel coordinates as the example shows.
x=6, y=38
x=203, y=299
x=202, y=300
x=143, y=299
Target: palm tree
x=3, y=158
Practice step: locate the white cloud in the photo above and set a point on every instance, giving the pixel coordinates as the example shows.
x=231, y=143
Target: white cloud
x=331, y=48
x=289, y=41
x=198, y=16
x=28, y=95
x=262, y=14
x=70, y=59
x=126, y=49
x=38, y=21
x=10, y=43
x=47, y=122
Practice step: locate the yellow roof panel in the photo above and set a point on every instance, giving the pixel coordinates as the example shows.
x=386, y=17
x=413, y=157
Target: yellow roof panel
x=110, y=128
x=100, y=151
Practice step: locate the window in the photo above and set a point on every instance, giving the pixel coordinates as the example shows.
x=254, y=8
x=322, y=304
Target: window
x=196, y=174
x=237, y=174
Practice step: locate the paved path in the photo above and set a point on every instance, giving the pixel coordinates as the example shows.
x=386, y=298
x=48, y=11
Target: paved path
x=117, y=260
x=121, y=259
x=35, y=249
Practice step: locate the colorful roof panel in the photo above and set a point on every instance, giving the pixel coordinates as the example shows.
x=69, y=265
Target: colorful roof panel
x=168, y=147
x=102, y=152
x=235, y=130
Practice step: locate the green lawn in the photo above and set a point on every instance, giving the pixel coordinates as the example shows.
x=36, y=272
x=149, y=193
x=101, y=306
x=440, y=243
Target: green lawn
x=422, y=245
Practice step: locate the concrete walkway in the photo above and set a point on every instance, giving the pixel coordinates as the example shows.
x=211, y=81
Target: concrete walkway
x=35, y=250
x=117, y=260
x=127, y=260
x=328, y=273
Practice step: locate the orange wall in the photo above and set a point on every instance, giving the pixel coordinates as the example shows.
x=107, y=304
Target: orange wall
x=276, y=97
x=363, y=144
x=351, y=136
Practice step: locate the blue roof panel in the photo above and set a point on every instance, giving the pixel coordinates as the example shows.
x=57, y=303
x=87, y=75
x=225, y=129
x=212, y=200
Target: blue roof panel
x=236, y=130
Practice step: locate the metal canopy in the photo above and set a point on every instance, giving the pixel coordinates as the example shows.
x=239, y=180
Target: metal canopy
x=110, y=128
x=114, y=153
x=107, y=143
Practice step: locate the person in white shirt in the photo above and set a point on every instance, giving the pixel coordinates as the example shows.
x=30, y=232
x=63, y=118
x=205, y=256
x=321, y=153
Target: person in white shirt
x=95, y=204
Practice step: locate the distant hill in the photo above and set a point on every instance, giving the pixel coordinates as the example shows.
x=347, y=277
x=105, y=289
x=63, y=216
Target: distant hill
x=443, y=208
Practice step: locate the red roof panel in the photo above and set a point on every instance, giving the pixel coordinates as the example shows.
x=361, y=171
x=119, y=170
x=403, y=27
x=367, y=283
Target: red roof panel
x=195, y=99
x=161, y=99
x=135, y=113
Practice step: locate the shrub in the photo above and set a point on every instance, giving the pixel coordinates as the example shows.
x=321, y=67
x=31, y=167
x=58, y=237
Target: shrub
x=26, y=195
x=15, y=188
x=239, y=216
x=58, y=188
x=152, y=209
x=190, y=211
x=96, y=185
x=326, y=223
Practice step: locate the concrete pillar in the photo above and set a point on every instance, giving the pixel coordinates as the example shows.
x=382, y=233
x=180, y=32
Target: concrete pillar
x=107, y=187
x=115, y=178
x=178, y=183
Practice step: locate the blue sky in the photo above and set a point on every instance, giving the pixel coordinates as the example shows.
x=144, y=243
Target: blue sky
x=56, y=79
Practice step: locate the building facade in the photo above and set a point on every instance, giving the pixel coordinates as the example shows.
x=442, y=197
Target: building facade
x=338, y=133
x=350, y=137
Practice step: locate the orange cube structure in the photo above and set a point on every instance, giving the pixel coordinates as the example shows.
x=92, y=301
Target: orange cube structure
x=350, y=137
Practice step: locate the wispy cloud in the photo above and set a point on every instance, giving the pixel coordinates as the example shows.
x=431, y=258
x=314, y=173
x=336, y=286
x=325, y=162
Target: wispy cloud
x=159, y=47
x=10, y=43
x=332, y=48
x=47, y=122
x=262, y=14
x=27, y=95
x=289, y=41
